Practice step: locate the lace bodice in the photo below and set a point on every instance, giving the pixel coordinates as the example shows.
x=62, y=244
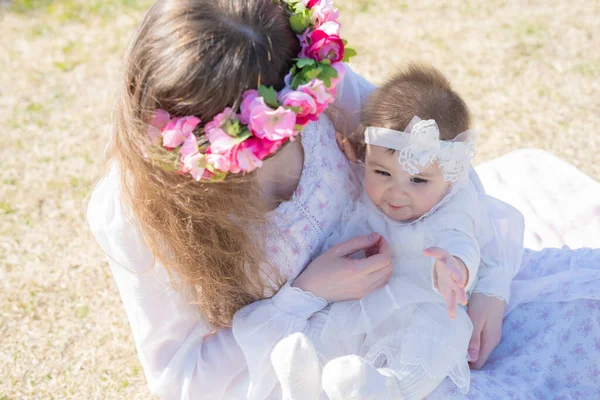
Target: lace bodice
x=303, y=222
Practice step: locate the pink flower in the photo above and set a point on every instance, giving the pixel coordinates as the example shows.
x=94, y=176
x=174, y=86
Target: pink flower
x=219, y=161
x=247, y=99
x=332, y=28
x=306, y=104
x=246, y=158
x=220, y=141
x=192, y=165
x=159, y=119
x=317, y=89
x=304, y=43
x=177, y=130
x=190, y=146
x=322, y=11
x=263, y=148
x=271, y=124
x=221, y=118
x=324, y=46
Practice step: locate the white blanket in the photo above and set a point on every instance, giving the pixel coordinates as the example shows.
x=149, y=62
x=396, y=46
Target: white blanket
x=550, y=347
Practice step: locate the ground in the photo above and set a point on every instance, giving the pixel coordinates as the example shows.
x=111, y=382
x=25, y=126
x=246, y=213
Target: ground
x=528, y=70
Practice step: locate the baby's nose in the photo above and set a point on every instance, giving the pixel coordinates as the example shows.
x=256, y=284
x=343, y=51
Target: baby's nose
x=399, y=190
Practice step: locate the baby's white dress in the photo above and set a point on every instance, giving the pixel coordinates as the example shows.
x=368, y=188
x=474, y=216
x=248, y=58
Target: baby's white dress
x=405, y=325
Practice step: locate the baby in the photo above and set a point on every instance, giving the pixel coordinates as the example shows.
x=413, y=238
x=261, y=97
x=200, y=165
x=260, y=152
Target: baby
x=416, y=145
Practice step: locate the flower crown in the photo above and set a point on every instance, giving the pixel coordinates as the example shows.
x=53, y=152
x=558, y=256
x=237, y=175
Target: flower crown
x=267, y=119
x=419, y=146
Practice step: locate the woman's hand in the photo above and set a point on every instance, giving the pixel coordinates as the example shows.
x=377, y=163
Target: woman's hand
x=486, y=313
x=336, y=277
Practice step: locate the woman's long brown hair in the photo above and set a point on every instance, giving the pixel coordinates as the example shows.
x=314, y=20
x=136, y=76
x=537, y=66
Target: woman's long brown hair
x=196, y=57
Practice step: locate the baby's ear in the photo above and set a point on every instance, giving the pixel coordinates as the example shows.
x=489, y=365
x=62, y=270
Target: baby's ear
x=346, y=146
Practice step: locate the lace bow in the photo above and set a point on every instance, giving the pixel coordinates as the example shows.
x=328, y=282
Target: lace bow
x=420, y=146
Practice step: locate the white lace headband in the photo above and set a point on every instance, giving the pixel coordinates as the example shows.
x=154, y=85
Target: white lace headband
x=420, y=145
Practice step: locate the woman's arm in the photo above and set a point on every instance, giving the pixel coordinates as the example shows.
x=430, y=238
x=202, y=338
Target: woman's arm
x=181, y=355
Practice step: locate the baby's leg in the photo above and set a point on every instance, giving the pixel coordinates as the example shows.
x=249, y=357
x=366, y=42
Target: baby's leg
x=297, y=367
x=412, y=383
x=353, y=378
x=298, y=359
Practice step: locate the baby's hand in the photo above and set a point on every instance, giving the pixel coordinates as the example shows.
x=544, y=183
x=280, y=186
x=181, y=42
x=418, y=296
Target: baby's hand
x=450, y=276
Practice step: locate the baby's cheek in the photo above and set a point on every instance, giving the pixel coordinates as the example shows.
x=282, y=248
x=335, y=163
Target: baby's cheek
x=431, y=199
x=373, y=189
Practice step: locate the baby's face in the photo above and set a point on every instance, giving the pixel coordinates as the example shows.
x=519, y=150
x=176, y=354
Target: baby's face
x=401, y=196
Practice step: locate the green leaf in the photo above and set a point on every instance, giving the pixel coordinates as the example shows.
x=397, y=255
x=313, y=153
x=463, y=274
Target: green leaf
x=326, y=62
x=293, y=108
x=299, y=7
x=166, y=159
x=269, y=94
x=245, y=134
x=312, y=73
x=298, y=80
x=232, y=127
x=218, y=175
x=304, y=62
x=298, y=24
x=327, y=73
x=202, y=162
x=301, y=19
x=349, y=53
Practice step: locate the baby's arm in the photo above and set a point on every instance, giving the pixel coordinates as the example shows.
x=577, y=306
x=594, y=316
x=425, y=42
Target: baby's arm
x=501, y=239
x=457, y=251
x=451, y=275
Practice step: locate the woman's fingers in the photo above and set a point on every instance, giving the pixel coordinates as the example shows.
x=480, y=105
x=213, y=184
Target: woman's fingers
x=380, y=247
x=474, y=346
x=351, y=246
x=486, y=314
x=379, y=278
x=371, y=264
x=475, y=342
x=490, y=338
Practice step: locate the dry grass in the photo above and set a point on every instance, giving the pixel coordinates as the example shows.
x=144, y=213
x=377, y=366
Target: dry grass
x=529, y=70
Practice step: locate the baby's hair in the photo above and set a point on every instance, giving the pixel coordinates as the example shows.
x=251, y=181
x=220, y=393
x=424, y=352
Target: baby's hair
x=418, y=90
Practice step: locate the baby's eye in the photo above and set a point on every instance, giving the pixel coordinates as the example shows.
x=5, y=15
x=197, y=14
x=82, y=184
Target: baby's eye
x=382, y=173
x=418, y=180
